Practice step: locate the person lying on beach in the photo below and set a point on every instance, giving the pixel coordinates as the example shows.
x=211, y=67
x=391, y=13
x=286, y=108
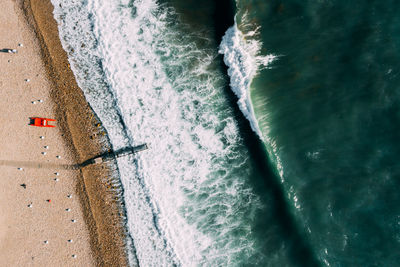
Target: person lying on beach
x=9, y=50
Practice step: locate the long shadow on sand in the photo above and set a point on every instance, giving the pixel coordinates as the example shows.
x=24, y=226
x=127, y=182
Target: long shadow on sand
x=107, y=156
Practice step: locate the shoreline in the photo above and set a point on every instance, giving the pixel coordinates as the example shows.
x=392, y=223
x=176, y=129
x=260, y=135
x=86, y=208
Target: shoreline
x=84, y=135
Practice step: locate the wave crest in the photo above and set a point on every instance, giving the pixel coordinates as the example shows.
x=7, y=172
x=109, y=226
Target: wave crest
x=242, y=56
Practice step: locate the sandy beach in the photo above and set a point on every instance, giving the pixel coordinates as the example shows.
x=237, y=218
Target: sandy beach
x=50, y=216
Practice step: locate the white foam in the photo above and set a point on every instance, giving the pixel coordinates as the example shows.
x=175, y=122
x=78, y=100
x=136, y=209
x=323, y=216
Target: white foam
x=185, y=197
x=242, y=56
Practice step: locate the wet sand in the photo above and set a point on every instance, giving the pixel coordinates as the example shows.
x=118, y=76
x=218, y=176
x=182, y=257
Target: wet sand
x=81, y=225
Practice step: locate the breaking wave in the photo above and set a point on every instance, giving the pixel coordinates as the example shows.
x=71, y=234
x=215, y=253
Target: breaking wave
x=242, y=56
x=188, y=197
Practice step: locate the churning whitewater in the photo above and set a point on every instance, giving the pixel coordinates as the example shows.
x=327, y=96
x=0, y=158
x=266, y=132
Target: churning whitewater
x=242, y=56
x=188, y=199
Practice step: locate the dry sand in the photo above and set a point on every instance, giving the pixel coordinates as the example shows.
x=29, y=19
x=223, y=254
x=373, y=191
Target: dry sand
x=33, y=231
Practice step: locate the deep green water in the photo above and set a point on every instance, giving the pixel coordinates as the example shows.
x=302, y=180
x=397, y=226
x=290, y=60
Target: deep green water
x=331, y=105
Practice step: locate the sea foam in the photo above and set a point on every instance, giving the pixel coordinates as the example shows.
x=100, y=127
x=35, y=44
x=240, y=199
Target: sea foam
x=188, y=196
x=242, y=56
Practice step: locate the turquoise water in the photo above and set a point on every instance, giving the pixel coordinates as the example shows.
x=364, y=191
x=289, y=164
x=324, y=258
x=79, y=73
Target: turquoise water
x=272, y=126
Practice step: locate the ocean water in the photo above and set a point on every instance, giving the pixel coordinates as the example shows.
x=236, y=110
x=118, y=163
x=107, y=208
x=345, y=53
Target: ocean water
x=328, y=108
x=271, y=124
